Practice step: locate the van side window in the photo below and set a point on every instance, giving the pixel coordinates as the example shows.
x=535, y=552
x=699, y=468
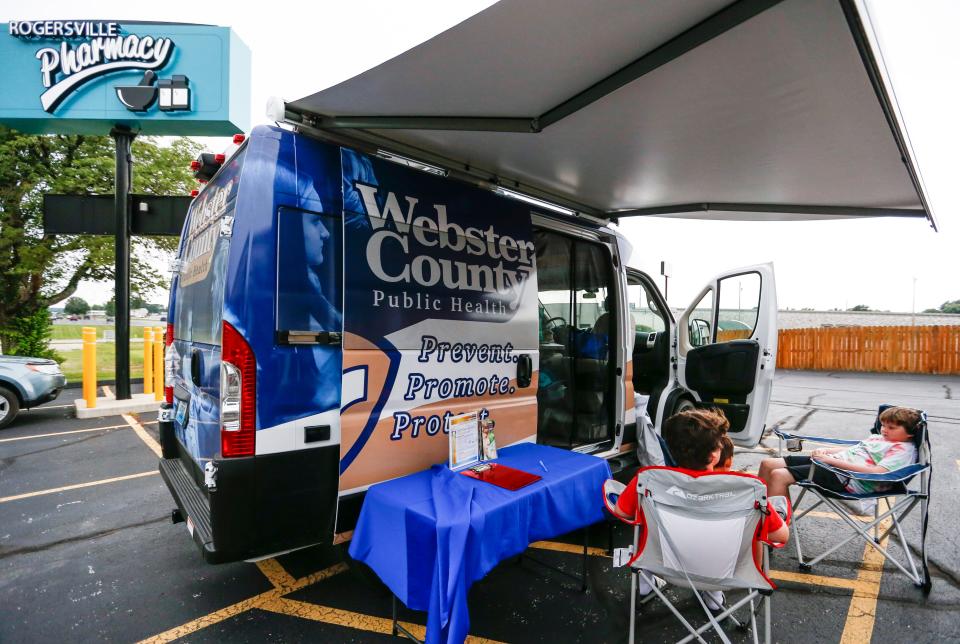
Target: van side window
x=739, y=307
x=644, y=310
x=204, y=253
x=309, y=271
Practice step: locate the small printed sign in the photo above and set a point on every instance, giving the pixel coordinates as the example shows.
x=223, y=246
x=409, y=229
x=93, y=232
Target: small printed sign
x=464, y=440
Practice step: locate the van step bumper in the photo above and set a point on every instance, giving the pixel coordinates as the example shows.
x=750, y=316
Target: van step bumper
x=193, y=504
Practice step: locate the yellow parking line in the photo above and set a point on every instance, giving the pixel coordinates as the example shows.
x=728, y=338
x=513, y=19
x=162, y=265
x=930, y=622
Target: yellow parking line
x=862, y=614
x=349, y=619
x=256, y=601
x=817, y=580
x=66, y=488
x=276, y=573
x=831, y=515
x=144, y=436
x=569, y=547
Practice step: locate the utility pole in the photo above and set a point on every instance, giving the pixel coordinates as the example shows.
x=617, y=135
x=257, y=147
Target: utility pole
x=913, y=306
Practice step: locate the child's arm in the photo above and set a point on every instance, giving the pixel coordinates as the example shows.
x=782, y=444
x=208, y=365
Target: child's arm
x=852, y=467
x=824, y=451
x=781, y=534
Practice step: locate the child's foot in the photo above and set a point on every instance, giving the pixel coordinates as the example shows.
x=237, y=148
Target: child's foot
x=713, y=599
x=645, y=590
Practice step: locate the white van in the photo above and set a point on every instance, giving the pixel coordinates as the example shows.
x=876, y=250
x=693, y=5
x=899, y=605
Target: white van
x=332, y=309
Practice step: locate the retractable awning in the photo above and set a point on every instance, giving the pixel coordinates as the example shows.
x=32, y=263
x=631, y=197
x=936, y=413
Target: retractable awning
x=757, y=109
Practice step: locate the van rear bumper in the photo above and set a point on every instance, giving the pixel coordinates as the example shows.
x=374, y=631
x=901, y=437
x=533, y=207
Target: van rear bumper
x=261, y=505
x=193, y=505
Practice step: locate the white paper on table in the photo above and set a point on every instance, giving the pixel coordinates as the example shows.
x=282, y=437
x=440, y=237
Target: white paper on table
x=464, y=440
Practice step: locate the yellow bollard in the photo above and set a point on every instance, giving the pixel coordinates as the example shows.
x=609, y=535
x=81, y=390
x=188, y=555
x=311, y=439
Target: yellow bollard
x=148, y=360
x=158, y=345
x=90, y=366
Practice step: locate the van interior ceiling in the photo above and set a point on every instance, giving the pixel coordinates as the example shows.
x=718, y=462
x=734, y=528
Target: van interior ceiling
x=750, y=110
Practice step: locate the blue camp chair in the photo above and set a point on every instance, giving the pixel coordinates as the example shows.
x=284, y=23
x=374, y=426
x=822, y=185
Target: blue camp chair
x=903, y=496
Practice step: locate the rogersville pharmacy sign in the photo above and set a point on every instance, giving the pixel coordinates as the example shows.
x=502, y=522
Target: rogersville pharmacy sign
x=77, y=76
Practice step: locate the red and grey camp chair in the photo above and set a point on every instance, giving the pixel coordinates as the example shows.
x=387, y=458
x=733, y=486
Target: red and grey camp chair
x=697, y=530
x=909, y=488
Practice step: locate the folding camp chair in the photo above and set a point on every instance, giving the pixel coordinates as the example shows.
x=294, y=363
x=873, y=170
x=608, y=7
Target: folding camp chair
x=901, y=500
x=697, y=530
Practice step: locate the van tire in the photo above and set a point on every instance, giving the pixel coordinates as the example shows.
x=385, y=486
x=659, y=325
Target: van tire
x=9, y=406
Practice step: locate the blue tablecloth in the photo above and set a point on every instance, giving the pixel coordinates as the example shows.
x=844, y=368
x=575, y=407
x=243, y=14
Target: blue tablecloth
x=430, y=535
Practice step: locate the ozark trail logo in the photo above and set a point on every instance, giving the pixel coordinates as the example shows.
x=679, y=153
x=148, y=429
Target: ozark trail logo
x=66, y=67
x=689, y=496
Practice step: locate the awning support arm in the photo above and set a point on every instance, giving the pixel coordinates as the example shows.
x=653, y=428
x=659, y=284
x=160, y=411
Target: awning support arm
x=704, y=31
x=799, y=209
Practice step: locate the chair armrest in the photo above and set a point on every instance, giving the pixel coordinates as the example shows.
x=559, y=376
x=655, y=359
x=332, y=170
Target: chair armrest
x=893, y=476
x=814, y=439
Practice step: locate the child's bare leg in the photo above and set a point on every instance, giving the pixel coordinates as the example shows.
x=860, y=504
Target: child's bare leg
x=768, y=465
x=779, y=482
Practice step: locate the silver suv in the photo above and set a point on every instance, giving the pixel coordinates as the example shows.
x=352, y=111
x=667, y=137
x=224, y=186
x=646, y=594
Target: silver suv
x=25, y=383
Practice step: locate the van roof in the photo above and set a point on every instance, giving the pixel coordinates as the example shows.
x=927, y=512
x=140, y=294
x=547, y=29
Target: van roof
x=757, y=109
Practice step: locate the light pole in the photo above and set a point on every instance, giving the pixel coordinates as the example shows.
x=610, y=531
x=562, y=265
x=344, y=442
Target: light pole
x=913, y=306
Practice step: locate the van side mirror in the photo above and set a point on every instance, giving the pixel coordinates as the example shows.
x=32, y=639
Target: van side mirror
x=699, y=332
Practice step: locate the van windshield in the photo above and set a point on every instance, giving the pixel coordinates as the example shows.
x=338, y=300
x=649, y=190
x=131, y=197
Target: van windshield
x=199, y=301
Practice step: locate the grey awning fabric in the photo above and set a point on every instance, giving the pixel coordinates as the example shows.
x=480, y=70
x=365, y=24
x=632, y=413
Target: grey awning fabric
x=749, y=110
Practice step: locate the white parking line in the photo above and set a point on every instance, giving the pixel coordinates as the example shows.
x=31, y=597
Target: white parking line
x=66, y=488
x=73, y=431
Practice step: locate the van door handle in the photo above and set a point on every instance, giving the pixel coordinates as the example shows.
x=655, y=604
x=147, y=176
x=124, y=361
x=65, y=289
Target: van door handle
x=195, y=360
x=524, y=370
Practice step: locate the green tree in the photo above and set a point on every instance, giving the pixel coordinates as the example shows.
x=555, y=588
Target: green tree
x=76, y=306
x=950, y=307
x=30, y=336
x=859, y=307
x=37, y=270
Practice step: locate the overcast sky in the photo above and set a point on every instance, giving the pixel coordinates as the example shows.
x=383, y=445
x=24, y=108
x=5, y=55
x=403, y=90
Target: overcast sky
x=883, y=263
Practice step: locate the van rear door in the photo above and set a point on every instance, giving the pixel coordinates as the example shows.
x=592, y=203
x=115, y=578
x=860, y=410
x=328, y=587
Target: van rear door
x=726, y=345
x=198, y=317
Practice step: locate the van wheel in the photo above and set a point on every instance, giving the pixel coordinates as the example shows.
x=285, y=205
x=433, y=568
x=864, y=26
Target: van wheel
x=684, y=404
x=9, y=407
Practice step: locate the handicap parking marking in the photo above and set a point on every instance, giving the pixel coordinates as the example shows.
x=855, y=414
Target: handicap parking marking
x=76, y=486
x=138, y=429
x=282, y=585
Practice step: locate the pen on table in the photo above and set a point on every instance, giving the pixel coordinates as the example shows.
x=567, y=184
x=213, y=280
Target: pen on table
x=544, y=467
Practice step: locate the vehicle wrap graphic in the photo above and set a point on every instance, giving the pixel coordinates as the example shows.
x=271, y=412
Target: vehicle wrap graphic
x=440, y=300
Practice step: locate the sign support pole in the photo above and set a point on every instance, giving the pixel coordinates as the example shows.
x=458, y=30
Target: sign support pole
x=123, y=138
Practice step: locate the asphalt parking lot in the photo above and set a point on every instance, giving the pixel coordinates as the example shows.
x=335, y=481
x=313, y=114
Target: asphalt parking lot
x=87, y=550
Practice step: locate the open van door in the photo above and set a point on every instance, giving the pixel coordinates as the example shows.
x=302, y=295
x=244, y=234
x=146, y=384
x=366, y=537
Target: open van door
x=726, y=346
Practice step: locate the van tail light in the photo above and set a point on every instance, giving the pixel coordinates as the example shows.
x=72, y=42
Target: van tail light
x=238, y=389
x=238, y=139
x=168, y=365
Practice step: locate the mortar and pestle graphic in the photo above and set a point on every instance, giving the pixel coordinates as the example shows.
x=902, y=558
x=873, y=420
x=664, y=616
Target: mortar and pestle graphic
x=138, y=98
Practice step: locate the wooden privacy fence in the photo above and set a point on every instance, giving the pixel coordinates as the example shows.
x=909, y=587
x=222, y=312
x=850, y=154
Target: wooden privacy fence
x=900, y=349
